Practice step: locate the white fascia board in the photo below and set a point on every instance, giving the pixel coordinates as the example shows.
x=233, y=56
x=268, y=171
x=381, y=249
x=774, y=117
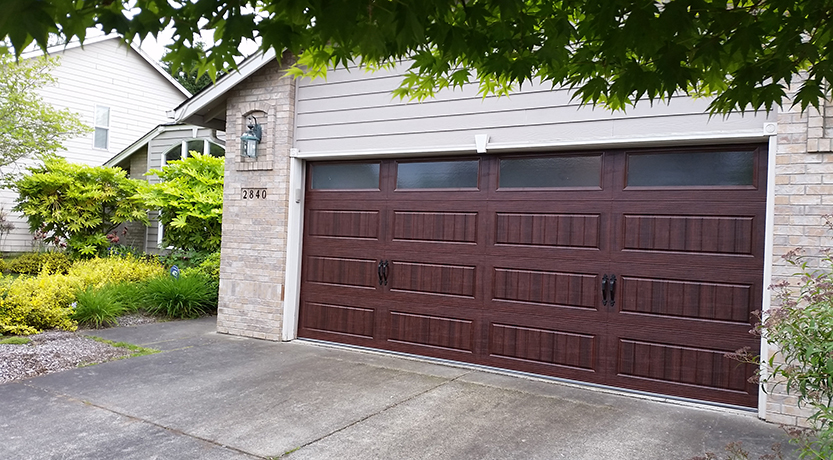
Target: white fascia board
x=433, y=150
x=201, y=100
x=161, y=70
x=132, y=148
x=37, y=51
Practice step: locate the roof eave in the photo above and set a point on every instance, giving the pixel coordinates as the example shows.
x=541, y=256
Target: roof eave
x=190, y=111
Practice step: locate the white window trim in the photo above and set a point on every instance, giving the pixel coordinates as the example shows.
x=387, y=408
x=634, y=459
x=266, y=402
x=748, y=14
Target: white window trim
x=183, y=145
x=96, y=125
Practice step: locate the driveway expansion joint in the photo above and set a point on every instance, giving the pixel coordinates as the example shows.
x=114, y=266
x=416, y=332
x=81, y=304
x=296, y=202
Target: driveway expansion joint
x=175, y=431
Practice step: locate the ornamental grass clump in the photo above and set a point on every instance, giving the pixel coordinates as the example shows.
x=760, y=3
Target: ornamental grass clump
x=190, y=296
x=97, y=307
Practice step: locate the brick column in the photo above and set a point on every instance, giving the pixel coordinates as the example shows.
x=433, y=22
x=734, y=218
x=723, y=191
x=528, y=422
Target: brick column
x=803, y=195
x=253, y=251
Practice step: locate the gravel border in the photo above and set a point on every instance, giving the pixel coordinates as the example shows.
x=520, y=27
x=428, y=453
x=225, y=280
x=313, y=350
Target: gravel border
x=55, y=351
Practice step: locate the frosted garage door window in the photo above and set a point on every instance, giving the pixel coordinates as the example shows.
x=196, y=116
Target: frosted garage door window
x=345, y=176
x=691, y=169
x=437, y=174
x=551, y=172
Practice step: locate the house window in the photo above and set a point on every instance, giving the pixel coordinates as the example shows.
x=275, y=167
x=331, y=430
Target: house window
x=177, y=152
x=101, y=138
x=203, y=146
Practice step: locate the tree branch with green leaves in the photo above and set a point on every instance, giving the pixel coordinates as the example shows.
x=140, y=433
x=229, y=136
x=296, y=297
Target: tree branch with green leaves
x=29, y=127
x=742, y=53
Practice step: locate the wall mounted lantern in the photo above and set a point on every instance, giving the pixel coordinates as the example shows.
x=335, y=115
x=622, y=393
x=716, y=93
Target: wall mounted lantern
x=251, y=138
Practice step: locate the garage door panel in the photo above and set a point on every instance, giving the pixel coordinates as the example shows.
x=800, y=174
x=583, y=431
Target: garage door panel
x=358, y=224
x=449, y=333
x=559, y=230
x=435, y=226
x=357, y=322
x=547, y=288
x=433, y=278
x=356, y=273
x=685, y=371
x=664, y=298
x=548, y=229
x=725, y=235
x=545, y=346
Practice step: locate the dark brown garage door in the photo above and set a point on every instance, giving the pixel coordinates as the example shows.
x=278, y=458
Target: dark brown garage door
x=635, y=269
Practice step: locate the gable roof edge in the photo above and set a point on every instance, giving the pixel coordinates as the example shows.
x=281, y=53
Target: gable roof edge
x=203, y=99
x=132, y=148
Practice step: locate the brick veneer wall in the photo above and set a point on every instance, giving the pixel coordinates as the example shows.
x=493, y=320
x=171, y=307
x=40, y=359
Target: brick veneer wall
x=803, y=195
x=253, y=252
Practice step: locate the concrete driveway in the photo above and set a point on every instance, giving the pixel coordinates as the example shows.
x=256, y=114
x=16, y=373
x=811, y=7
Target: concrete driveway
x=213, y=396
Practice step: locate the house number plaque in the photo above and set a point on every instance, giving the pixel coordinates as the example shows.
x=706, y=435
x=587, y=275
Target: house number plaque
x=254, y=193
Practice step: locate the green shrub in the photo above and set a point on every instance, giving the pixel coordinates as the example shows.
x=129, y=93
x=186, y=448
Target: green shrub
x=35, y=263
x=801, y=328
x=78, y=205
x=97, y=307
x=30, y=304
x=210, y=267
x=190, y=198
x=189, y=296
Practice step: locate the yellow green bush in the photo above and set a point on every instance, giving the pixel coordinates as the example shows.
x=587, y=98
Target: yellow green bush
x=34, y=263
x=29, y=304
x=113, y=270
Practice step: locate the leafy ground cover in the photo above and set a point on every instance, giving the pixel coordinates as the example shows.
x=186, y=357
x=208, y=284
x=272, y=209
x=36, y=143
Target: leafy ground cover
x=96, y=292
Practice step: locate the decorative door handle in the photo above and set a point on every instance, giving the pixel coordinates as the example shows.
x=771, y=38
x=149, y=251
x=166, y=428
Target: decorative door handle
x=612, y=290
x=385, y=266
x=604, y=291
x=379, y=271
